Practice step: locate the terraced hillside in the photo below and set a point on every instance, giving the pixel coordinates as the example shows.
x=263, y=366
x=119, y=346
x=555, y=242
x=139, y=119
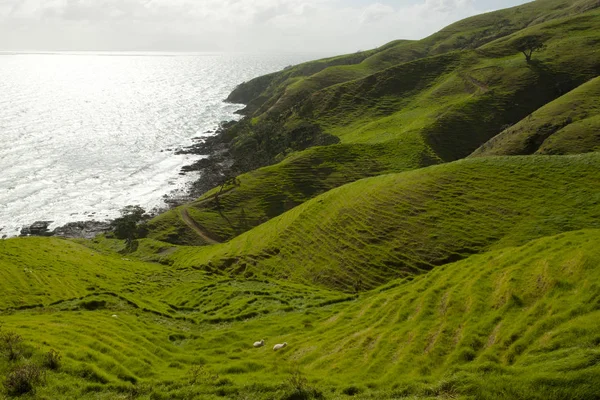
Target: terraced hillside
x=390, y=266
x=436, y=105
x=270, y=191
x=363, y=234
x=568, y=125
x=511, y=323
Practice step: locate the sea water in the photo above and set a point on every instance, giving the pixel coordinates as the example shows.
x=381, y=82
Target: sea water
x=84, y=134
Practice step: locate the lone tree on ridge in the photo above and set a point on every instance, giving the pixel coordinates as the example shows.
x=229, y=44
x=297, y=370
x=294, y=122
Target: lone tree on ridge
x=528, y=45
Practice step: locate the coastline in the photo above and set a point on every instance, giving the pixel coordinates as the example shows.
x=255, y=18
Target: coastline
x=211, y=145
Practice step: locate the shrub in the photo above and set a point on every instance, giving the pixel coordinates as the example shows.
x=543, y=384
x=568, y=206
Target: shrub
x=199, y=374
x=299, y=388
x=23, y=379
x=52, y=359
x=11, y=345
x=351, y=391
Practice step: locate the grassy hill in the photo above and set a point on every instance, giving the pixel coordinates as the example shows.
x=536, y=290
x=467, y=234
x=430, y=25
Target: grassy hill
x=392, y=267
x=363, y=234
x=263, y=92
x=437, y=106
x=568, y=125
x=270, y=191
x=511, y=323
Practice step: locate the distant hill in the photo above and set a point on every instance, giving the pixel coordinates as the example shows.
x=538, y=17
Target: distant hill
x=568, y=125
x=411, y=109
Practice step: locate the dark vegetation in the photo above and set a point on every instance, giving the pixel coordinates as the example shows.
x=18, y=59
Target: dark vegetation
x=528, y=45
x=128, y=228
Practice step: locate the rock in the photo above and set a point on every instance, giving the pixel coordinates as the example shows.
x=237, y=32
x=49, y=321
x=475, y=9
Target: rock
x=82, y=229
x=38, y=228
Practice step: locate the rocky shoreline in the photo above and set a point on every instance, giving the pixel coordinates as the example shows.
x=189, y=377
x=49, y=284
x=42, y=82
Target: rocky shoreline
x=213, y=148
x=73, y=230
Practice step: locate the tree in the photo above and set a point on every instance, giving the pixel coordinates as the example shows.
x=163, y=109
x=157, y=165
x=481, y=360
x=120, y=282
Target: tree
x=126, y=227
x=528, y=45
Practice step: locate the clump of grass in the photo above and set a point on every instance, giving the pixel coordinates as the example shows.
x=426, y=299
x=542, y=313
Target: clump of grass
x=52, y=359
x=299, y=389
x=11, y=345
x=200, y=374
x=23, y=379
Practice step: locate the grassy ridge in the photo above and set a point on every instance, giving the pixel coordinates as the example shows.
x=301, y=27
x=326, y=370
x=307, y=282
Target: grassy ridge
x=363, y=234
x=459, y=100
x=268, y=192
x=511, y=323
x=432, y=105
x=568, y=125
x=285, y=87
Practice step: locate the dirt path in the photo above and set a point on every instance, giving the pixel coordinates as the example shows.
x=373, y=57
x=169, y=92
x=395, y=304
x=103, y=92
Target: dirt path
x=476, y=82
x=197, y=228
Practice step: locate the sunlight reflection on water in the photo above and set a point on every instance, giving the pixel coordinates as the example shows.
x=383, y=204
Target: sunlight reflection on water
x=82, y=135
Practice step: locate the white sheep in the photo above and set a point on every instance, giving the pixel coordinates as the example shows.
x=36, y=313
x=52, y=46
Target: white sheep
x=279, y=346
x=114, y=316
x=259, y=344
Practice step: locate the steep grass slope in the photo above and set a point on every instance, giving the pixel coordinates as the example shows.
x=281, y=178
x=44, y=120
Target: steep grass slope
x=57, y=273
x=366, y=233
x=279, y=90
x=568, y=125
x=436, y=108
x=457, y=101
x=39, y=272
x=511, y=323
x=268, y=192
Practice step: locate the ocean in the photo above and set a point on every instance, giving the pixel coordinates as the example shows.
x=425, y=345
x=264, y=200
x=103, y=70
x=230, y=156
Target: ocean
x=84, y=134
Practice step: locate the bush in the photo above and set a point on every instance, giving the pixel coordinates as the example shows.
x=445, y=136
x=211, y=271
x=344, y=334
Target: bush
x=299, y=388
x=23, y=379
x=52, y=359
x=11, y=345
x=351, y=391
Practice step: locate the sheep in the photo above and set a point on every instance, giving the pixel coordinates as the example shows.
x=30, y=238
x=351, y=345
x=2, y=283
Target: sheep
x=279, y=346
x=114, y=316
x=259, y=344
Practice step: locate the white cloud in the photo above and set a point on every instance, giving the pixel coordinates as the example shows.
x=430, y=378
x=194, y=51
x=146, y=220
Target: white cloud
x=241, y=25
x=375, y=12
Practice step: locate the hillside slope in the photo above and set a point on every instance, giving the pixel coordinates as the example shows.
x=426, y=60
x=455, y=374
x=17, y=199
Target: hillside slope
x=270, y=191
x=435, y=108
x=512, y=323
x=568, y=125
x=366, y=233
x=302, y=80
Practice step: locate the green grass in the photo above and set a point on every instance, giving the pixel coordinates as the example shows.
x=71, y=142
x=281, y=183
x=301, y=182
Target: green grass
x=268, y=192
x=365, y=233
x=278, y=91
x=411, y=115
x=511, y=323
x=473, y=279
x=38, y=271
x=568, y=125
x=407, y=105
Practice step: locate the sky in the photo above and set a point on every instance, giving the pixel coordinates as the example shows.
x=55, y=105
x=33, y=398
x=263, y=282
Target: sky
x=327, y=26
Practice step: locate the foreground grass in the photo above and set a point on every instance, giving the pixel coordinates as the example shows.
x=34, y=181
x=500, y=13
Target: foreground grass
x=511, y=323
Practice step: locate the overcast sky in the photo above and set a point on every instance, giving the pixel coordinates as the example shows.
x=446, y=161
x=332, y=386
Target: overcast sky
x=333, y=26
